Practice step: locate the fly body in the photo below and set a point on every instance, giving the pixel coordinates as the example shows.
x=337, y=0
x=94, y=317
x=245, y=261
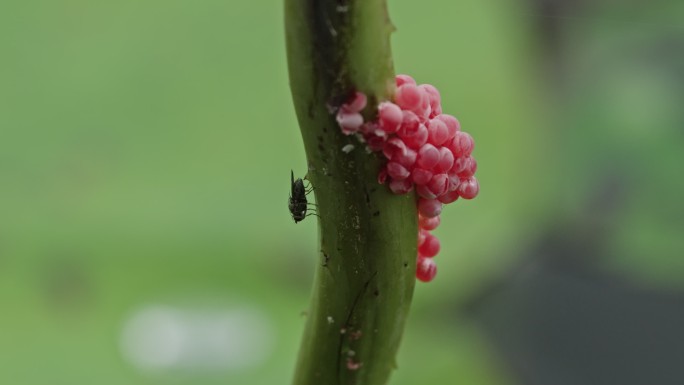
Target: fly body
x=297, y=202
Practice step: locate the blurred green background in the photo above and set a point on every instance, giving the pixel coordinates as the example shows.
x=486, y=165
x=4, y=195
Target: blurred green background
x=145, y=149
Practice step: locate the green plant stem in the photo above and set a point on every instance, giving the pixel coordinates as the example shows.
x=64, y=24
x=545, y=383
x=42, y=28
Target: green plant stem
x=365, y=277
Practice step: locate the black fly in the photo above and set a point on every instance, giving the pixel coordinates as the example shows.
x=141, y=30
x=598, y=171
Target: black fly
x=297, y=202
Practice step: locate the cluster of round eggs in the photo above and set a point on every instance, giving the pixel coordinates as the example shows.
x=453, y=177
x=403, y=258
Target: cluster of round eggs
x=425, y=150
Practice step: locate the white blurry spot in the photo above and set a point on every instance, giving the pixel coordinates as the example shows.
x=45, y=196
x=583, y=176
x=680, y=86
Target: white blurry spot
x=348, y=148
x=153, y=338
x=330, y=320
x=167, y=338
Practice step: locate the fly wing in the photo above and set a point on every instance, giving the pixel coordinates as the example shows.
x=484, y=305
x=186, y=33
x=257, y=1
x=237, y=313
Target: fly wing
x=291, y=183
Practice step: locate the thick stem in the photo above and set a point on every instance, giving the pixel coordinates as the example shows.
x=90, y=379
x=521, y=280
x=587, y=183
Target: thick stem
x=364, y=281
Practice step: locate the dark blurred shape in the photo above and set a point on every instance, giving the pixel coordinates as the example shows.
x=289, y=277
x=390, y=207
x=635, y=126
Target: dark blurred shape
x=557, y=319
x=576, y=326
x=550, y=16
x=551, y=21
x=66, y=284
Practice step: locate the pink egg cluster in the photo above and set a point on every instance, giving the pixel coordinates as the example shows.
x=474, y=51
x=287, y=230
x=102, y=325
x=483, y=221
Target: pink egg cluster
x=425, y=150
